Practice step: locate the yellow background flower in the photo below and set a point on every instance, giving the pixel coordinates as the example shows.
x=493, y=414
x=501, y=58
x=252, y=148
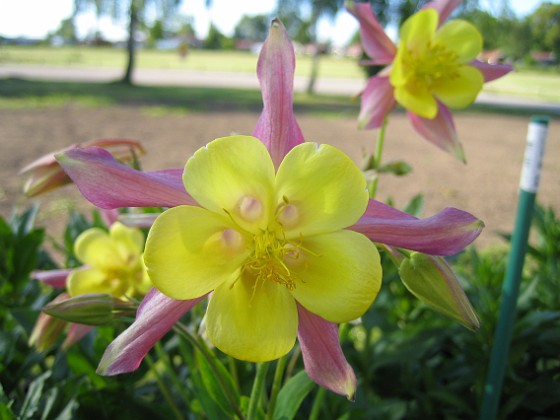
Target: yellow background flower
x=432, y=64
x=114, y=263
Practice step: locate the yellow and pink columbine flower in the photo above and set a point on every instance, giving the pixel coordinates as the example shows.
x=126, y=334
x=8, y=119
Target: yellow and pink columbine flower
x=243, y=206
x=432, y=69
x=266, y=241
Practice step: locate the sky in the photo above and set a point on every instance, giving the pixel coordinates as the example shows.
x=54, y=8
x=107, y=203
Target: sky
x=15, y=19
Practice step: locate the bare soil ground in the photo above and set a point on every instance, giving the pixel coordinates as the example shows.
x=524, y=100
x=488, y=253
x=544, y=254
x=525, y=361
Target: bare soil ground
x=487, y=186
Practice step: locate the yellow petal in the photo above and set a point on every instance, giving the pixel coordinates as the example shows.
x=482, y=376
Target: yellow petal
x=129, y=241
x=418, y=30
x=416, y=98
x=460, y=37
x=399, y=72
x=91, y=280
x=235, y=174
x=95, y=248
x=251, y=323
x=319, y=189
x=460, y=92
x=190, y=251
x=340, y=278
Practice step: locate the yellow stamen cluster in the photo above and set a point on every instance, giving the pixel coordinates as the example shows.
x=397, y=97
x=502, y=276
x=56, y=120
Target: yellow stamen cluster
x=267, y=262
x=434, y=64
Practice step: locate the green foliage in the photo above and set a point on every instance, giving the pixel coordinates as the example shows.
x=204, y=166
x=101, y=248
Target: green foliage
x=252, y=28
x=292, y=395
x=545, y=22
x=410, y=361
x=19, y=255
x=215, y=40
x=414, y=363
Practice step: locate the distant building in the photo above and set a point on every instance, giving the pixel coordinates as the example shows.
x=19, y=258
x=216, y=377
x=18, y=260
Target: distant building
x=544, y=58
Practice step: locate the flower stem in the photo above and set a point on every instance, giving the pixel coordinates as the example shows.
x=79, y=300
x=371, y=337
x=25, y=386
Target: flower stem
x=377, y=158
x=171, y=372
x=317, y=403
x=276, y=385
x=165, y=392
x=256, y=392
x=182, y=330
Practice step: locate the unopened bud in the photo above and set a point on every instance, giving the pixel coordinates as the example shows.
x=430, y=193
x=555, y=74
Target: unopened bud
x=432, y=281
x=88, y=309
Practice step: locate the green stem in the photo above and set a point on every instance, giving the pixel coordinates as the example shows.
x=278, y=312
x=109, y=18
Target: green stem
x=171, y=373
x=317, y=404
x=165, y=392
x=233, y=371
x=182, y=330
x=377, y=158
x=293, y=362
x=276, y=385
x=256, y=392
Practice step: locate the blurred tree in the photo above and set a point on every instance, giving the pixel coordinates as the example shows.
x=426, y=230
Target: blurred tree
x=252, y=28
x=545, y=25
x=491, y=28
x=66, y=31
x=517, y=39
x=156, y=32
x=215, y=40
x=135, y=10
x=315, y=10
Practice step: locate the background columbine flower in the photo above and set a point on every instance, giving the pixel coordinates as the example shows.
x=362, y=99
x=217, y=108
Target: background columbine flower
x=263, y=242
x=433, y=68
x=114, y=266
x=432, y=64
x=113, y=263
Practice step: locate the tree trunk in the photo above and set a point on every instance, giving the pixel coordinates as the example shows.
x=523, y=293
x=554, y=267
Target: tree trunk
x=316, y=54
x=314, y=71
x=131, y=44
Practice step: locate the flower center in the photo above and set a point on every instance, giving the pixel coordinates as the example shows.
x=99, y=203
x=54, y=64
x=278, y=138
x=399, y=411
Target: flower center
x=269, y=258
x=435, y=64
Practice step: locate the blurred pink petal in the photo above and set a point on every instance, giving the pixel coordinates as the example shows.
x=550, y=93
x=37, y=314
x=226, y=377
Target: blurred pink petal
x=75, y=333
x=446, y=233
x=491, y=71
x=109, y=216
x=47, y=329
x=277, y=127
x=46, y=174
x=439, y=131
x=322, y=355
x=109, y=184
x=377, y=45
x=156, y=315
x=377, y=101
x=54, y=278
x=443, y=7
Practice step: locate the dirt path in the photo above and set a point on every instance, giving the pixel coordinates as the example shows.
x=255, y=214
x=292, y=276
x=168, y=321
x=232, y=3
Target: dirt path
x=486, y=187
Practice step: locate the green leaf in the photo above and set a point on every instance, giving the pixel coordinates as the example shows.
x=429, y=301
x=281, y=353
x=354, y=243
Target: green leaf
x=398, y=168
x=415, y=206
x=213, y=386
x=33, y=397
x=292, y=395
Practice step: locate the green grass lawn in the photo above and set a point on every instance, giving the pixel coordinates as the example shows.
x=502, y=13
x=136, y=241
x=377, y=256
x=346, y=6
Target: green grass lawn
x=525, y=83
x=202, y=60
x=20, y=93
